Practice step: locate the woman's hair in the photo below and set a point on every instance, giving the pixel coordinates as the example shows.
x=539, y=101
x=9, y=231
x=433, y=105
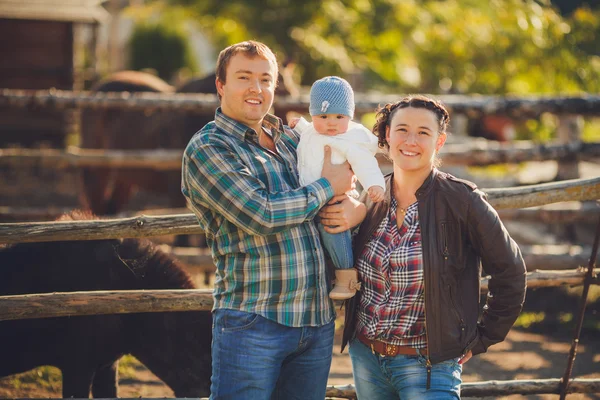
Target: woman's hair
x=385, y=114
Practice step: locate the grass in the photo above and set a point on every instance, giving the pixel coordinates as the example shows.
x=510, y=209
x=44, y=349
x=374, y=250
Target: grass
x=48, y=379
x=44, y=378
x=556, y=310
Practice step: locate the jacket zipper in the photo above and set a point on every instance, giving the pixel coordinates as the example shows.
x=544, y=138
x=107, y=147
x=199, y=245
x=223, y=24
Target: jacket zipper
x=445, y=253
x=428, y=386
x=426, y=337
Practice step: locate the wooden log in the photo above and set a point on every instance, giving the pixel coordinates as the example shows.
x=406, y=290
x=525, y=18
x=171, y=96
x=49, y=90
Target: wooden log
x=140, y=226
x=537, y=257
x=47, y=305
x=476, y=153
x=472, y=106
x=568, y=212
x=162, y=159
x=539, y=279
x=144, y=226
x=545, y=193
x=565, y=213
x=486, y=152
x=498, y=388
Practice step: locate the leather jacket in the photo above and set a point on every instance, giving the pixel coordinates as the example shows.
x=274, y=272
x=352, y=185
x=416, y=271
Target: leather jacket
x=461, y=232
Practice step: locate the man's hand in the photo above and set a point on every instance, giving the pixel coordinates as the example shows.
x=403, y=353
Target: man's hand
x=339, y=176
x=342, y=213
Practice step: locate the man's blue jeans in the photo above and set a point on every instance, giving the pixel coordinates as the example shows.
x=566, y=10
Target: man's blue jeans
x=402, y=377
x=256, y=358
x=338, y=246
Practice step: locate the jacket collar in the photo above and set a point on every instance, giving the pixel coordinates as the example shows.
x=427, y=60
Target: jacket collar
x=425, y=188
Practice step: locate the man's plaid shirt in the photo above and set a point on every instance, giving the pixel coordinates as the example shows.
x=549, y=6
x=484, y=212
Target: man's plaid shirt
x=259, y=221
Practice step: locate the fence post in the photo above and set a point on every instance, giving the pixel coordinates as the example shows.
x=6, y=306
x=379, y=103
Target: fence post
x=569, y=130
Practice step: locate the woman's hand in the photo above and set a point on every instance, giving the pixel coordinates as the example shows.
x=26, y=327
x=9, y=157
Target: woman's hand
x=342, y=213
x=466, y=357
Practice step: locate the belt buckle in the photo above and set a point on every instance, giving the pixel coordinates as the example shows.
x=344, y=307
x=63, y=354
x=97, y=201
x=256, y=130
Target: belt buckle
x=390, y=349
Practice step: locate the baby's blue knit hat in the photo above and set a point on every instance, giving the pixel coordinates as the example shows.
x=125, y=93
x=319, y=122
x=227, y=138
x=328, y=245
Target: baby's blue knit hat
x=331, y=95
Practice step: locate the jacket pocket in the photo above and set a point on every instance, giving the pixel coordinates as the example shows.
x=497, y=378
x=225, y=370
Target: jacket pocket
x=455, y=311
x=450, y=245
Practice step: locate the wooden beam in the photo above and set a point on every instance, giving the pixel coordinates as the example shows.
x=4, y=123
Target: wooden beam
x=472, y=106
x=183, y=224
x=477, y=153
x=73, y=157
x=537, y=257
x=545, y=193
x=47, y=305
x=140, y=226
x=488, y=152
x=498, y=388
x=563, y=213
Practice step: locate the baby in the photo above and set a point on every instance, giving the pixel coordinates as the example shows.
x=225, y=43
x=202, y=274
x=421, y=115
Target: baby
x=332, y=110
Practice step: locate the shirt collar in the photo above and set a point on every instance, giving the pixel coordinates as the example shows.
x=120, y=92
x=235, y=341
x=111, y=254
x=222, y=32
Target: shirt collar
x=270, y=122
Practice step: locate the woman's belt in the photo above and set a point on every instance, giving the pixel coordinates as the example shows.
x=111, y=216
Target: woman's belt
x=387, y=349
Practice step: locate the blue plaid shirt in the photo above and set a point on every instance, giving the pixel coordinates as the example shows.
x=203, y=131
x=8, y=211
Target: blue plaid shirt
x=259, y=221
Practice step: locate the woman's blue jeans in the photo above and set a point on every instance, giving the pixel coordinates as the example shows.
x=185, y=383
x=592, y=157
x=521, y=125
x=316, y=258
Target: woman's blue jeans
x=256, y=358
x=378, y=377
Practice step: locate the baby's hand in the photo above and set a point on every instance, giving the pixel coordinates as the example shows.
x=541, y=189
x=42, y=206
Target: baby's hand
x=376, y=193
x=293, y=122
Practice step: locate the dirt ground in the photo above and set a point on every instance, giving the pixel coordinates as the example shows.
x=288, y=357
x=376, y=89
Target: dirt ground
x=523, y=355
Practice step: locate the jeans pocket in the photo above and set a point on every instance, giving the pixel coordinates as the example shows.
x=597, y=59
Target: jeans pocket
x=232, y=320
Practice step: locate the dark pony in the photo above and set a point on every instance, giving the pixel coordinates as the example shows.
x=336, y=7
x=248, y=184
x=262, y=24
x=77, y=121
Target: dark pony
x=106, y=191
x=175, y=346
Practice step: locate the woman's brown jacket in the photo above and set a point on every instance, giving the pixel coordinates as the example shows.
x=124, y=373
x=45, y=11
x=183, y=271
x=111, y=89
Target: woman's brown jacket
x=460, y=232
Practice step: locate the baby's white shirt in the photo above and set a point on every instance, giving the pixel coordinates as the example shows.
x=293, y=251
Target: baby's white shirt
x=357, y=145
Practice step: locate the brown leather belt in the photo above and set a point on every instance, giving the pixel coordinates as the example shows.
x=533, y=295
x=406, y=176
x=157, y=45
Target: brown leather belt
x=387, y=349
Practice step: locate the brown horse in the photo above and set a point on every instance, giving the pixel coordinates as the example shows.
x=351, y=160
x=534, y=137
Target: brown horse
x=107, y=191
x=175, y=346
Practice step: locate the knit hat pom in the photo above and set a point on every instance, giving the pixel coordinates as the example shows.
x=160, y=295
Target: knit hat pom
x=331, y=95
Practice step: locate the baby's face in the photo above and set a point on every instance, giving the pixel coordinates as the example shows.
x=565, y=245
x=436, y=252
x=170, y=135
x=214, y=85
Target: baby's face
x=331, y=124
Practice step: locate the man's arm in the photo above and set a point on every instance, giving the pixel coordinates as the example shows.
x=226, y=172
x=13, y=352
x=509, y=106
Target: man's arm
x=215, y=178
x=342, y=216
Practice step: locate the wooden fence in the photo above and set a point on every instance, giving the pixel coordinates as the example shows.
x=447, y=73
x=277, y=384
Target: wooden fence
x=509, y=201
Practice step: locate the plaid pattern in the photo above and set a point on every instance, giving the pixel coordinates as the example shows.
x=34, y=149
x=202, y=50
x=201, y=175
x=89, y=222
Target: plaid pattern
x=392, y=304
x=259, y=221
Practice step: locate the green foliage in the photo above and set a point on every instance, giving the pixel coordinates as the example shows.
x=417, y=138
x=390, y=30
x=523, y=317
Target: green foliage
x=526, y=319
x=161, y=45
x=431, y=46
x=46, y=377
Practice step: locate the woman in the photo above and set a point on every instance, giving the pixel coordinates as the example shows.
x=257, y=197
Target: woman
x=415, y=321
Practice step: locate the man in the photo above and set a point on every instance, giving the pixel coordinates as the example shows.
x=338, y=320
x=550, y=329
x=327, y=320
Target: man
x=273, y=322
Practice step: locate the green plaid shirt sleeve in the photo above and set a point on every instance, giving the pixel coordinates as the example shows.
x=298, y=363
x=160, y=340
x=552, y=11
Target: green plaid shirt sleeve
x=259, y=222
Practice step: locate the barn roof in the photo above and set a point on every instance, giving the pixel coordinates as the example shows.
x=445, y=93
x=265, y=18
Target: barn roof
x=54, y=10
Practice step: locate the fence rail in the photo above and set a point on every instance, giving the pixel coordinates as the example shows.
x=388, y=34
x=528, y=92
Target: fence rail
x=49, y=305
x=144, y=226
x=498, y=388
x=516, y=107
x=475, y=153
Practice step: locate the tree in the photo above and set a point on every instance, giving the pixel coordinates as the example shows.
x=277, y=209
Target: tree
x=463, y=46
